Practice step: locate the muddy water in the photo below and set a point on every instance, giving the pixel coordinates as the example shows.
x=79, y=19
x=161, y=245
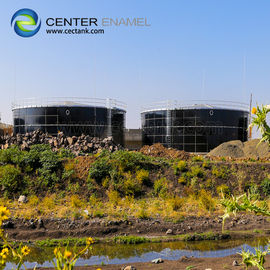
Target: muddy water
x=121, y=254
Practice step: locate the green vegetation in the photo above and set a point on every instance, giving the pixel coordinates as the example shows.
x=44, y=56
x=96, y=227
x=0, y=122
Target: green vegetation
x=180, y=166
x=130, y=240
x=257, y=260
x=121, y=184
x=265, y=185
x=220, y=172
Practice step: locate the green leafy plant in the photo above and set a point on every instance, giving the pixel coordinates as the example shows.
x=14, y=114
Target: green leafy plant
x=257, y=260
x=259, y=120
x=265, y=185
x=242, y=203
x=10, y=179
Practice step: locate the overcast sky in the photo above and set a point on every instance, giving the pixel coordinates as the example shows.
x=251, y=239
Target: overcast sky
x=192, y=50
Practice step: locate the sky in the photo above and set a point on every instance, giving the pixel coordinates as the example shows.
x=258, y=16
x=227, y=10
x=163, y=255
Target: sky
x=194, y=49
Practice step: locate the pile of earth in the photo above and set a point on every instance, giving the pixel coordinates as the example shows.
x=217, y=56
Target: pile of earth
x=77, y=144
x=238, y=149
x=158, y=150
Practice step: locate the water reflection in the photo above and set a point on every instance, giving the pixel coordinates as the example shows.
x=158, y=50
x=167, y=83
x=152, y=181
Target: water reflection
x=120, y=253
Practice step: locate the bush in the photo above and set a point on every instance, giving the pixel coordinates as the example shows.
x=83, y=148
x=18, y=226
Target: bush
x=182, y=180
x=12, y=155
x=206, y=201
x=76, y=202
x=206, y=164
x=161, y=187
x=50, y=165
x=197, y=159
x=32, y=158
x=130, y=186
x=143, y=177
x=220, y=172
x=10, y=179
x=265, y=185
x=100, y=169
x=65, y=153
x=177, y=203
x=181, y=166
x=197, y=171
x=111, y=169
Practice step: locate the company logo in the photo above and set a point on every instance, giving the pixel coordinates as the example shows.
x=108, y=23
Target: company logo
x=32, y=20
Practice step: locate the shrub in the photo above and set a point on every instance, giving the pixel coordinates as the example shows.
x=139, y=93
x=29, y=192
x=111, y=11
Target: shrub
x=10, y=179
x=65, y=153
x=206, y=201
x=143, y=177
x=161, y=187
x=12, y=155
x=131, y=161
x=49, y=160
x=177, y=203
x=206, y=164
x=113, y=196
x=76, y=202
x=32, y=158
x=69, y=170
x=130, y=186
x=197, y=159
x=91, y=184
x=99, y=170
x=265, y=185
x=197, y=171
x=181, y=166
x=224, y=189
x=220, y=172
x=182, y=180
x=142, y=211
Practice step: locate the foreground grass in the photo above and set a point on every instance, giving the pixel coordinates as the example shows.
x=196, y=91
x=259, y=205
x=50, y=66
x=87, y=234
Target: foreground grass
x=168, y=209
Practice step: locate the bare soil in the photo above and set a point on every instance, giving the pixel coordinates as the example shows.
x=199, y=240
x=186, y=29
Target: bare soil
x=20, y=229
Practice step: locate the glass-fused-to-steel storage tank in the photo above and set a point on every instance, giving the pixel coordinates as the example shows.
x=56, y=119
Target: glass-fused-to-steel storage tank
x=194, y=126
x=73, y=116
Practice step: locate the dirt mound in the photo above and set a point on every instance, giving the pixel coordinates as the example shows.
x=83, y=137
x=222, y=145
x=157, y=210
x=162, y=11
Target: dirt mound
x=238, y=149
x=82, y=165
x=158, y=150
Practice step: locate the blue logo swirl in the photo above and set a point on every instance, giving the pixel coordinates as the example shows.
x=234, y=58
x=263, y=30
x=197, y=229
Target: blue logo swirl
x=32, y=19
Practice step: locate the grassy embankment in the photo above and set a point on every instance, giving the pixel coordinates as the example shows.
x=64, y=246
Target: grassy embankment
x=122, y=184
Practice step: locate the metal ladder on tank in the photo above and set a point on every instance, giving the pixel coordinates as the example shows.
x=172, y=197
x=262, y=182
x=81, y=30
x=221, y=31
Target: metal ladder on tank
x=168, y=124
x=109, y=116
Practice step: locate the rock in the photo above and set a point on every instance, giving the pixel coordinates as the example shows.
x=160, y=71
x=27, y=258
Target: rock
x=235, y=263
x=129, y=267
x=70, y=140
x=77, y=145
x=32, y=225
x=40, y=223
x=184, y=259
x=22, y=199
x=158, y=260
x=8, y=225
x=169, y=231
